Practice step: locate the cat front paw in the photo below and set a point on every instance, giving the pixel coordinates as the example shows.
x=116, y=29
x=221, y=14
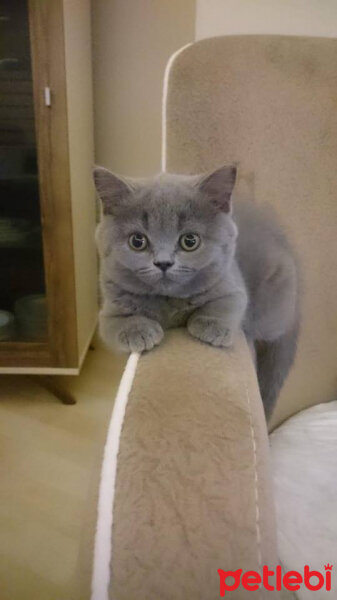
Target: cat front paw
x=210, y=330
x=139, y=336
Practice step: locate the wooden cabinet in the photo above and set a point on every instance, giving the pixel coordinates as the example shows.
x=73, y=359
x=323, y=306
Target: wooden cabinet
x=48, y=264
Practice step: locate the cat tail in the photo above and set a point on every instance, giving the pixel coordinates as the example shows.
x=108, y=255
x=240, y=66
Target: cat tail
x=274, y=360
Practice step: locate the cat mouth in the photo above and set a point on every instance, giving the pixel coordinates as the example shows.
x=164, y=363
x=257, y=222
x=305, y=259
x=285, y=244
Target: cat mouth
x=176, y=276
x=164, y=279
x=168, y=279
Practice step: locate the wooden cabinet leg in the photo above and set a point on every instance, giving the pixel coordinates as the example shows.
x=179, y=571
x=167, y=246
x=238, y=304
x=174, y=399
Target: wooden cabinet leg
x=49, y=383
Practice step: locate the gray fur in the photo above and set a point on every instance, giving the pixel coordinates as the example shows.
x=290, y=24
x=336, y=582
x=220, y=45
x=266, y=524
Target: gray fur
x=230, y=281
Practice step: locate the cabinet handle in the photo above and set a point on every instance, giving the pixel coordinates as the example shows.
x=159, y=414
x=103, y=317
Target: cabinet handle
x=47, y=96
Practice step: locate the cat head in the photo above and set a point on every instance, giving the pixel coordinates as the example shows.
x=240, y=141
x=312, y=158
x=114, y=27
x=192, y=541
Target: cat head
x=167, y=231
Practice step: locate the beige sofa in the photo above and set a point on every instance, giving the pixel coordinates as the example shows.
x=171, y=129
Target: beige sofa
x=190, y=488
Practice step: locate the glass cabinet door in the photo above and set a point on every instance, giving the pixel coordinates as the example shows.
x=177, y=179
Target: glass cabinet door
x=23, y=310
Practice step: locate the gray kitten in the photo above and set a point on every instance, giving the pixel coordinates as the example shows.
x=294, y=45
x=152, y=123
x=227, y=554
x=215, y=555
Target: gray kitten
x=171, y=256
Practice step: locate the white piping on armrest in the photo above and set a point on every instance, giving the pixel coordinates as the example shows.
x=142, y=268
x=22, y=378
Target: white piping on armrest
x=103, y=537
x=164, y=105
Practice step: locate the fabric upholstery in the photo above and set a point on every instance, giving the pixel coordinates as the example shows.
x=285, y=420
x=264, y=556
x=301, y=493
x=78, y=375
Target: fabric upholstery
x=193, y=485
x=269, y=103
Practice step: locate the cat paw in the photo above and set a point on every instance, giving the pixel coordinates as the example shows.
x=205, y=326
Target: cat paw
x=210, y=330
x=137, y=337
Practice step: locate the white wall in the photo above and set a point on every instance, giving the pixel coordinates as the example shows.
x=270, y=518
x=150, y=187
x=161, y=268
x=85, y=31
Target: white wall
x=132, y=42
x=288, y=17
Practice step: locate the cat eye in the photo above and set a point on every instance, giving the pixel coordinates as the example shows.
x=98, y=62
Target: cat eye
x=190, y=242
x=138, y=242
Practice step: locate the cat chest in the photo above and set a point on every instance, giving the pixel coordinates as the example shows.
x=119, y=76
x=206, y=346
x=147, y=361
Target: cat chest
x=174, y=312
x=170, y=312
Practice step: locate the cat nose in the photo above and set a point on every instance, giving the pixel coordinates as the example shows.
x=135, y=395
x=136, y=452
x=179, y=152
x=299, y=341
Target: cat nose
x=163, y=265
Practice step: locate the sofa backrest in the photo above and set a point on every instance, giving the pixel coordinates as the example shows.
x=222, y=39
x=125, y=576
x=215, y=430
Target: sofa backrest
x=269, y=103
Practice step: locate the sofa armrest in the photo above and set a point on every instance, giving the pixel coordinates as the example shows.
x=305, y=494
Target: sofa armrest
x=193, y=490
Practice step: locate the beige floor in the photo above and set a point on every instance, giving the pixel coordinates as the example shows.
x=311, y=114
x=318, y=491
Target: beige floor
x=48, y=458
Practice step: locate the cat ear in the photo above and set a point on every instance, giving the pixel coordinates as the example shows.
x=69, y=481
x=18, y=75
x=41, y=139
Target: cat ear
x=111, y=189
x=218, y=186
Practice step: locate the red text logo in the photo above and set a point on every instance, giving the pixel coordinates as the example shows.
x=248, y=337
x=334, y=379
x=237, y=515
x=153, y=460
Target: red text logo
x=275, y=580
